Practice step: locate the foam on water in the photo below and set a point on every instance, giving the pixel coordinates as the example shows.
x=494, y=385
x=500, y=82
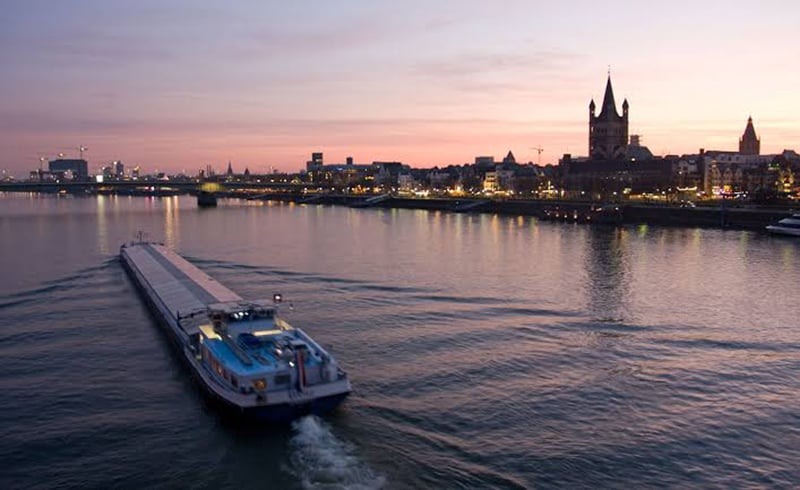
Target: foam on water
x=322, y=461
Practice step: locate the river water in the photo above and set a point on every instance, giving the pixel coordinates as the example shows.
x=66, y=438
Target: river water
x=485, y=351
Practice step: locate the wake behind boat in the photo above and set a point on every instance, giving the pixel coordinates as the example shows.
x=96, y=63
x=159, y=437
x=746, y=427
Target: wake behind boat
x=242, y=352
x=787, y=226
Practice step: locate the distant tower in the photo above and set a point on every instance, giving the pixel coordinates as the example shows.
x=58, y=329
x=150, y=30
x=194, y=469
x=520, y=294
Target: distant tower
x=230, y=169
x=608, y=132
x=749, y=144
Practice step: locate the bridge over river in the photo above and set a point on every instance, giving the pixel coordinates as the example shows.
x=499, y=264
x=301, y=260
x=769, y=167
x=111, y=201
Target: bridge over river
x=187, y=186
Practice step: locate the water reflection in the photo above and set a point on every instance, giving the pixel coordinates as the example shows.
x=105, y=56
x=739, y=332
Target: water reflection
x=171, y=221
x=608, y=272
x=788, y=257
x=102, y=225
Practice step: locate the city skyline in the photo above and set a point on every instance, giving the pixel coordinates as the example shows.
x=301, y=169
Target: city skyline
x=263, y=85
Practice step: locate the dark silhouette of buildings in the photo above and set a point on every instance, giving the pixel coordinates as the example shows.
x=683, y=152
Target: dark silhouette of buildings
x=614, y=167
x=608, y=131
x=316, y=162
x=78, y=167
x=636, y=151
x=749, y=144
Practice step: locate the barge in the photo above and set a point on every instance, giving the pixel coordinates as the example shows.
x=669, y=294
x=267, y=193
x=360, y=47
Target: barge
x=244, y=355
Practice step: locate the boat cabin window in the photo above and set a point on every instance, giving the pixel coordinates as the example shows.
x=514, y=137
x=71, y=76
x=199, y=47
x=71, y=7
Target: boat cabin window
x=240, y=316
x=252, y=314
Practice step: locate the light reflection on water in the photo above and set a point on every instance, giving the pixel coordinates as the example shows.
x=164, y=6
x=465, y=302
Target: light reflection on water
x=485, y=351
x=171, y=221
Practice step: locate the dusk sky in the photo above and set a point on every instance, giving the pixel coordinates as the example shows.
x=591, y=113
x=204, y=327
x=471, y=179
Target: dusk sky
x=178, y=85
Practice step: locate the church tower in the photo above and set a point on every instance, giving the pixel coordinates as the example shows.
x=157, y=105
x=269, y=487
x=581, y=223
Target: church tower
x=749, y=144
x=608, y=131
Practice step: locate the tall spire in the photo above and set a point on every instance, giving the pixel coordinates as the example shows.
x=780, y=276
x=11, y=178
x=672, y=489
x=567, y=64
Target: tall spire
x=609, y=107
x=749, y=130
x=749, y=144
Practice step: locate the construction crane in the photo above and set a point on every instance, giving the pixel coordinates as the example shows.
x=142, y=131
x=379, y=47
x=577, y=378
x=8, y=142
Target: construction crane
x=539, y=153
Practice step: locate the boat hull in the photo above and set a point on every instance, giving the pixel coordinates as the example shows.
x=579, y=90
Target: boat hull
x=276, y=413
x=206, y=199
x=779, y=230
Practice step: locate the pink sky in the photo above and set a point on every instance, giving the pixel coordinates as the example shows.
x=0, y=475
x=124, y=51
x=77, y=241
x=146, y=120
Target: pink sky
x=264, y=84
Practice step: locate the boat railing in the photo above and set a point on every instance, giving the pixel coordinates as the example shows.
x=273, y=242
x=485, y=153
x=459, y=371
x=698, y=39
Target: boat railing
x=283, y=324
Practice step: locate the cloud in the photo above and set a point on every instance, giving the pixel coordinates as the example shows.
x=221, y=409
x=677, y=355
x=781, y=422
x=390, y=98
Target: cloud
x=471, y=64
x=277, y=130
x=292, y=41
x=543, y=74
x=103, y=48
x=437, y=24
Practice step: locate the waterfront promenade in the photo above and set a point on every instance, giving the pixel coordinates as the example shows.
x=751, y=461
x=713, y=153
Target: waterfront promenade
x=717, y=213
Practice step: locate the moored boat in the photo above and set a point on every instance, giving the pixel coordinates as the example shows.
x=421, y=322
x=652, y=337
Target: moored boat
x=206, y=199
x=605, y=214
x=787, y=226
x=242, y=352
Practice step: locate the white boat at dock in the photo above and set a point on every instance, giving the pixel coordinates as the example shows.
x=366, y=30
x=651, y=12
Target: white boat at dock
x=787, y=226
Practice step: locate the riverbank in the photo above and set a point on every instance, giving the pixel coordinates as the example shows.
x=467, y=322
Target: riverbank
x=717, y=216
x=728, y=215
